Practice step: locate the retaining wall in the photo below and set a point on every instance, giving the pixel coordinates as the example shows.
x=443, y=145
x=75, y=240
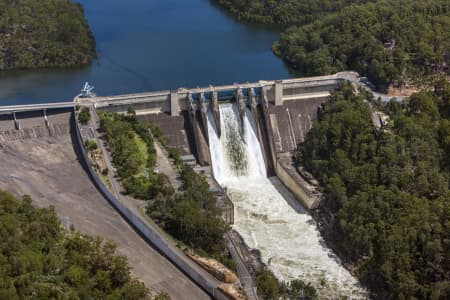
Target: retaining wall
x=148, y=234
x=288, y=179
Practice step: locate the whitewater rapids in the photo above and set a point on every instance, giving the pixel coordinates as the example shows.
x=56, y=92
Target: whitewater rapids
x=266, y=214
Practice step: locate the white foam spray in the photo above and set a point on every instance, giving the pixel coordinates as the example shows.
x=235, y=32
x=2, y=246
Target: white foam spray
x=267, y=216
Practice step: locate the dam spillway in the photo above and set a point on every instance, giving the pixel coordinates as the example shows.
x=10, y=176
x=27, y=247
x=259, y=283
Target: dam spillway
x=266, y=215
x=244, y=133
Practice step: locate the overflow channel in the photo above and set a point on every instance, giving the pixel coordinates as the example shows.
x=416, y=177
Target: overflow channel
x=266, y=215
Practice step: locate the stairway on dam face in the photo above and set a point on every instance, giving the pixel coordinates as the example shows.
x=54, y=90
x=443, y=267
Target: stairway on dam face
x=48, y=169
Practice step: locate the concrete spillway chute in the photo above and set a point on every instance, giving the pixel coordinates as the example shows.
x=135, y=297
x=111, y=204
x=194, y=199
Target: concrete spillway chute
x=47, y=123
x=253, y=108
x=203, y=101
x=241, y=105
x=252, y=97
x=191, y=104
x=16, y=122
x=215, y=109
x=201, y=143
x=264, y=100
x=203, y=113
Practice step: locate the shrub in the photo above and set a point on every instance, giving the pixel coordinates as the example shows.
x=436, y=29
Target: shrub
x=84, y=116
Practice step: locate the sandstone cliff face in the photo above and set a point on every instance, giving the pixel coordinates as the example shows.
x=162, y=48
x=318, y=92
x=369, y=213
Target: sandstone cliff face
x=231, y=286
x=218, y=270
x=232, y=292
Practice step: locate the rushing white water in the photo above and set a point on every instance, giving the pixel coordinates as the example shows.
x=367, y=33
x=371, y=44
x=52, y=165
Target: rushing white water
x=267, y=216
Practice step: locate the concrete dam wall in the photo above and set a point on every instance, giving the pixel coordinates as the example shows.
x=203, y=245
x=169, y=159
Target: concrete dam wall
x=283, y=110
x=33, y=124
x=50, y=168
x=253, y=128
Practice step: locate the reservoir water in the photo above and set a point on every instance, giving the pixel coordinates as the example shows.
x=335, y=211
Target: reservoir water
x=146, y=45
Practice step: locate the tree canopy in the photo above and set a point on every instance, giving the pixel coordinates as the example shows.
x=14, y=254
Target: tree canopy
x=391, y=42
x=191, y=216
x=44, y=33
x=387, y=190
x=39, y=259
x=134, y=155
x=284, y=12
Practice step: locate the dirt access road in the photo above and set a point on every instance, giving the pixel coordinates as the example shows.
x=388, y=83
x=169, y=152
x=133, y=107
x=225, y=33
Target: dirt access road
x=48, y=169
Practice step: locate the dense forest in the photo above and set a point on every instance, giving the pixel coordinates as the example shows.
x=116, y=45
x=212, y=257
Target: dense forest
x=391, y=42
x=387, y=200
x=40, y=259
x=134, y=156
x=191, y=216
x=285, y=12
x=44, y=33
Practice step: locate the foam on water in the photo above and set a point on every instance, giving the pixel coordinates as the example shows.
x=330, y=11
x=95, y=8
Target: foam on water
x=267, y=216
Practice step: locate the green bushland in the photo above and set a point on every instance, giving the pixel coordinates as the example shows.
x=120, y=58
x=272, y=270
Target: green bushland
x=84, y=115
x=270, y=288
x=39, y=259
x=134, y=156
x=191, y=216
x=162, y=296
x=387, y=192
x=91, y=145
x=354, y=39
x=332, y=36
x=44, y=33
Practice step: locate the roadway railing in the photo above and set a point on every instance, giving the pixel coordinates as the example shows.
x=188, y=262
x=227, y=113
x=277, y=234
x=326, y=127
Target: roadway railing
x=31, y=107
x=151, y=236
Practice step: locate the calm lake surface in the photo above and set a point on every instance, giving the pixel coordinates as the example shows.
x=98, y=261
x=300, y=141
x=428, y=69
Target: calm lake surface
x=146, y=45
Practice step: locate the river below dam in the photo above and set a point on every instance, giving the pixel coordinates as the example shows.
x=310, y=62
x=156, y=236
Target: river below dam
x=152, y=45
x=266, y=214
